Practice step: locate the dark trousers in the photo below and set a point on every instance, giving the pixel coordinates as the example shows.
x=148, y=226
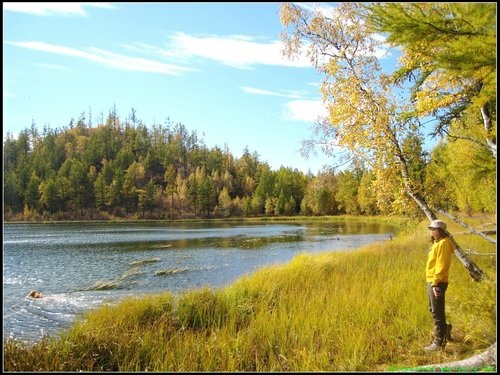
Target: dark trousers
x=436, y=307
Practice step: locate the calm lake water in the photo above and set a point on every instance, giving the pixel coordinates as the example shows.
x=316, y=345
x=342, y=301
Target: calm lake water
x=79, y=266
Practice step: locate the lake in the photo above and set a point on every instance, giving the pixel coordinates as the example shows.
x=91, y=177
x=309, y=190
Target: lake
x=80, y=266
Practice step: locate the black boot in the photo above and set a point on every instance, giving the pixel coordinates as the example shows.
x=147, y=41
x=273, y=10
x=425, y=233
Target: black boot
x=448, y=332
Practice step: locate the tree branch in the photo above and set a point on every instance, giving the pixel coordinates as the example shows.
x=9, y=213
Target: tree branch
x=465, y=225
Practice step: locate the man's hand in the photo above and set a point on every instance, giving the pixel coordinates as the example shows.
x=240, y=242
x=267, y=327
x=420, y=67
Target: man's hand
x=437, y=291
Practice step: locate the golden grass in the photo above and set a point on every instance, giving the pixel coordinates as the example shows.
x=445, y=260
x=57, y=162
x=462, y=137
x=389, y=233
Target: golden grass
x=363, y=310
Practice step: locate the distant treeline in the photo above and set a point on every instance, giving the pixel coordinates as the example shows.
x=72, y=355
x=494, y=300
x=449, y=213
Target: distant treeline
x=133, y=171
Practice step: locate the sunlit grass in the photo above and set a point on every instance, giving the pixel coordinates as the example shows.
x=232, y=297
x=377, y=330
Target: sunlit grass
x=363, y=310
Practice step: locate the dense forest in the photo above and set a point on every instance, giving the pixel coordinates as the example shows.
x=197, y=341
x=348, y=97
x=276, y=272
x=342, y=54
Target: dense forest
x=133, y=171
x=130, y=170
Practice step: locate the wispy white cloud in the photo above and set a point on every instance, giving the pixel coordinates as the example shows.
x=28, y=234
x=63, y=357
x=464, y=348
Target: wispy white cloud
x=305, y=110
x=53, y=9
x=238, y=51
x=54, y=67
x=107, y=58
x=286, y=94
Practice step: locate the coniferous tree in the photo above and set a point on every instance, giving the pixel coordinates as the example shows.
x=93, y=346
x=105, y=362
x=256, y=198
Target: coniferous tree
x=449, y=52
x=171, y=187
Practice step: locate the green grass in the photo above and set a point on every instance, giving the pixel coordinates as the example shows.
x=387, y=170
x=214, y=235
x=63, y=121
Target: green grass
x=363, y=310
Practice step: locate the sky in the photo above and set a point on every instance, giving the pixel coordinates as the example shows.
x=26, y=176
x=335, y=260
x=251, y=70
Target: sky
x=217, y=68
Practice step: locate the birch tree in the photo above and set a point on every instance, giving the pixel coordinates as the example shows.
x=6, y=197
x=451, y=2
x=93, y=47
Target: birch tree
x=369, y=114
x=449, y=53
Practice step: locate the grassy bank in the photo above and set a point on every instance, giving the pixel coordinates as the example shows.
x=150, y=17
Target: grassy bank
x=363, y=310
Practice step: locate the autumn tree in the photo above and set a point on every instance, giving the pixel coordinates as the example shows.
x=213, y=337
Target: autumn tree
x=50, y=195
x=320, y=193
x=223, y=208
x=463, y=177
x=264, y=190
x=367, y=112
x=347, y=194
x=208, y=197
x=366, y=196
x=146, y=197
x=449, y=53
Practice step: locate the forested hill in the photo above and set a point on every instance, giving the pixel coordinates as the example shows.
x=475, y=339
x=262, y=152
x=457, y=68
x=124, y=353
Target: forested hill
x=130, y=170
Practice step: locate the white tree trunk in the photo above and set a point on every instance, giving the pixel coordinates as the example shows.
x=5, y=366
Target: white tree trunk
x=484, y=362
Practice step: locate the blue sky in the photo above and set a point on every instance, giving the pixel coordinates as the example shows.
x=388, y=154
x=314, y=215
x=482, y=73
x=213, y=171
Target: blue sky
x=217, y=68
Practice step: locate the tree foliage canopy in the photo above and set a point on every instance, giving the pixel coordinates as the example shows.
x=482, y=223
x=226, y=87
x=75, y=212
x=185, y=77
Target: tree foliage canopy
x=373, y=113
x=449, y=51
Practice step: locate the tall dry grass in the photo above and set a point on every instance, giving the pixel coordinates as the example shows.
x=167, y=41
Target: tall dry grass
x=363, y=310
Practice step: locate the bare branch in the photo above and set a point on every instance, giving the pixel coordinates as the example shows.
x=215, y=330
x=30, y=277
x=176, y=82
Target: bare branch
x=465, y=225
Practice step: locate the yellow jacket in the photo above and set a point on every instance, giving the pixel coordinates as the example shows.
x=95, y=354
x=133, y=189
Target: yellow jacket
x=439, y=261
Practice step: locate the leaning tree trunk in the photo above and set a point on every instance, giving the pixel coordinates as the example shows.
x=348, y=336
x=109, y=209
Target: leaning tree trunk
x=475, y=272
x=489, y=130
x=465, y=225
